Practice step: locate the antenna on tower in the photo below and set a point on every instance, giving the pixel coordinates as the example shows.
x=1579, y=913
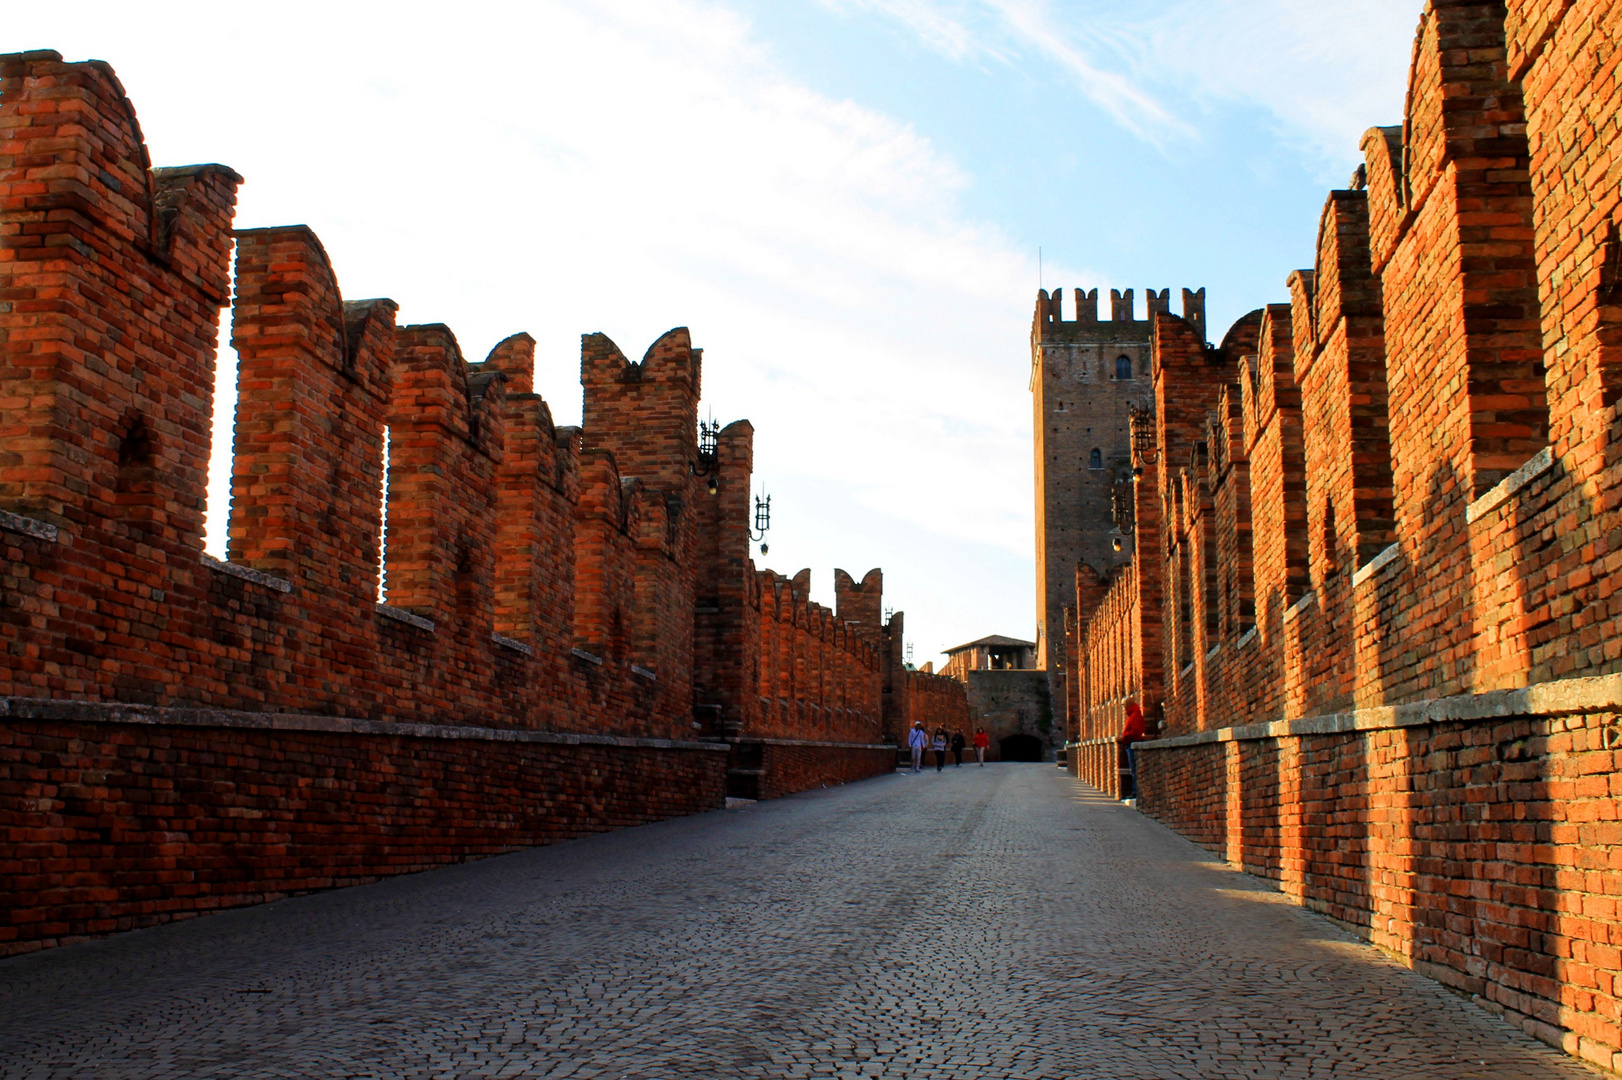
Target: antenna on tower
x=1039, y=266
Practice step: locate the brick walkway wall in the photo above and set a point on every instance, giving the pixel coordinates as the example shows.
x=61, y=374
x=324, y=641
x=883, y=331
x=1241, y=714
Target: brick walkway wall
x=791, y=767
x=119, y=819
x=1474, y=837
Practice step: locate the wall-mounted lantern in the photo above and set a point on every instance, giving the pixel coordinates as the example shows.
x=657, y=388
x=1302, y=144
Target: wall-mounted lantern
x=763, y=521
x=709, y=433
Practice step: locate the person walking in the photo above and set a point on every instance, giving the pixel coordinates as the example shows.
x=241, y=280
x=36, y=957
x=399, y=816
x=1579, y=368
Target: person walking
x=1135, y=732
x=981, y=741
x=958, y=743
x=940, y=748
x=917, y=739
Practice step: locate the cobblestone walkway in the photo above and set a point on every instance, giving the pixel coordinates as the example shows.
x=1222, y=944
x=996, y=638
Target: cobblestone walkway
x=993, y=922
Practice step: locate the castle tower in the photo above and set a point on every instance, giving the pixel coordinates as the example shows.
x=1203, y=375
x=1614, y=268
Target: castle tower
x=1085, y=373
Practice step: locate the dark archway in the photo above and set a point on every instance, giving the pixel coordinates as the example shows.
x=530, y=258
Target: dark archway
x=1021, y=748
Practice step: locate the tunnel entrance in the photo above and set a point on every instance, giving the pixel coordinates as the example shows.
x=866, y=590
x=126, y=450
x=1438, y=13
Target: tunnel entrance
x=1021, y=748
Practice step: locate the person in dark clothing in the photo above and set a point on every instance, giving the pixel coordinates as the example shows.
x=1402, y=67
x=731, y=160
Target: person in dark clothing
x=958, y=743
x=939, y=746
x=1135, y=731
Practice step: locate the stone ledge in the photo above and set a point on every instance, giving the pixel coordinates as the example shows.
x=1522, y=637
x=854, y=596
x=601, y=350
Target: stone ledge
x=514, y=644
x=646, y=673
x=401, y=615
x=92, y=712
x=814, y=742
x=1541, y=463
x=1294, y=610
x=589, y=658
x=27, y=526
x=1246, y=638
x=1595, y=693
x=1387, y=555
x=247, y=573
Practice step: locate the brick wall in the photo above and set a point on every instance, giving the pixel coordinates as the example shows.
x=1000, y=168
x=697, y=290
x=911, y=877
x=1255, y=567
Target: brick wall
x=123, y=819
x=1474, y=846
x=790, y=767
x=590, y=581
x=1410, y=483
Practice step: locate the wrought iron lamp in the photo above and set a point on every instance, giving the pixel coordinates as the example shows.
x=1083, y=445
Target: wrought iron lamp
x=763, y=521
x=709, y=433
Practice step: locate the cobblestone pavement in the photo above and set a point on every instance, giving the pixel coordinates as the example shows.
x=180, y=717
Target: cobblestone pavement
x=997, y=922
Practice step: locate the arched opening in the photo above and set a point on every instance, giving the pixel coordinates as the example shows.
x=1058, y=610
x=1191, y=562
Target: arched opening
x=1123, y=367
x=1095, y=460
x=1021, y=748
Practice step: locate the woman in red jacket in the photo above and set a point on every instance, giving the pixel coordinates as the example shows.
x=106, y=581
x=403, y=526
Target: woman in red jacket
x=1136, y=731
x=981, y=741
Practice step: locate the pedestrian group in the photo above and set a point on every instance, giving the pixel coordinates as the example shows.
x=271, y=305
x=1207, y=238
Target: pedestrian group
x=919, y=740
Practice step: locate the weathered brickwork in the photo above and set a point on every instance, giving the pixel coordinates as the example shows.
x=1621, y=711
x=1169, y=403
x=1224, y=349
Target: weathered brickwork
x=534, y=579
x=1390, y=545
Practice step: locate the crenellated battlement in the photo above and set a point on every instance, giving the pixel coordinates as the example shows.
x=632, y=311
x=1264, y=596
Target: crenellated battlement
x=1049, y=320
x=591, y=579
x=571, y=634
x=1378, y=583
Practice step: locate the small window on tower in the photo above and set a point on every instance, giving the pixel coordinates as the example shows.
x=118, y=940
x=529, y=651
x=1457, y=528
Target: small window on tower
x=1095, y=460
x=1123, y=367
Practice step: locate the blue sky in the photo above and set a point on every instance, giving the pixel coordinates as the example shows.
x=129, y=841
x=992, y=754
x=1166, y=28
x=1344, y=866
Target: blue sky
x=843, y=199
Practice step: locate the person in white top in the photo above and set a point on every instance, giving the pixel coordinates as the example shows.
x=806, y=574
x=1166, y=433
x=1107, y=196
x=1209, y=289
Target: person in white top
x=917, y=739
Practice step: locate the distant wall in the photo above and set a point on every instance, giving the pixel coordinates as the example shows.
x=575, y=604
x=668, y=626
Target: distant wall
x=1012, y=702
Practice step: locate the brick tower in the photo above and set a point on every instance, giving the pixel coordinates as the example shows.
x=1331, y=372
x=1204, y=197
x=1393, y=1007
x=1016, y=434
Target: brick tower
x=1085, y=375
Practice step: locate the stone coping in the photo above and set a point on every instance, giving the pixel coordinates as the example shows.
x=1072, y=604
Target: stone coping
x=402, y=615
x=1294, y=610
x=247, y=573
x=512, y=643
x=1541, y=463
x=814, y=742
x=95, y=712
x=1592, y=693
x=27, y=526
x=1387, y=555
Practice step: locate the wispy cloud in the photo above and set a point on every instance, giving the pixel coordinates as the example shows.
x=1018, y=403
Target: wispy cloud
x=1324, y=71
x=1006, y=30
x=946, y=26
